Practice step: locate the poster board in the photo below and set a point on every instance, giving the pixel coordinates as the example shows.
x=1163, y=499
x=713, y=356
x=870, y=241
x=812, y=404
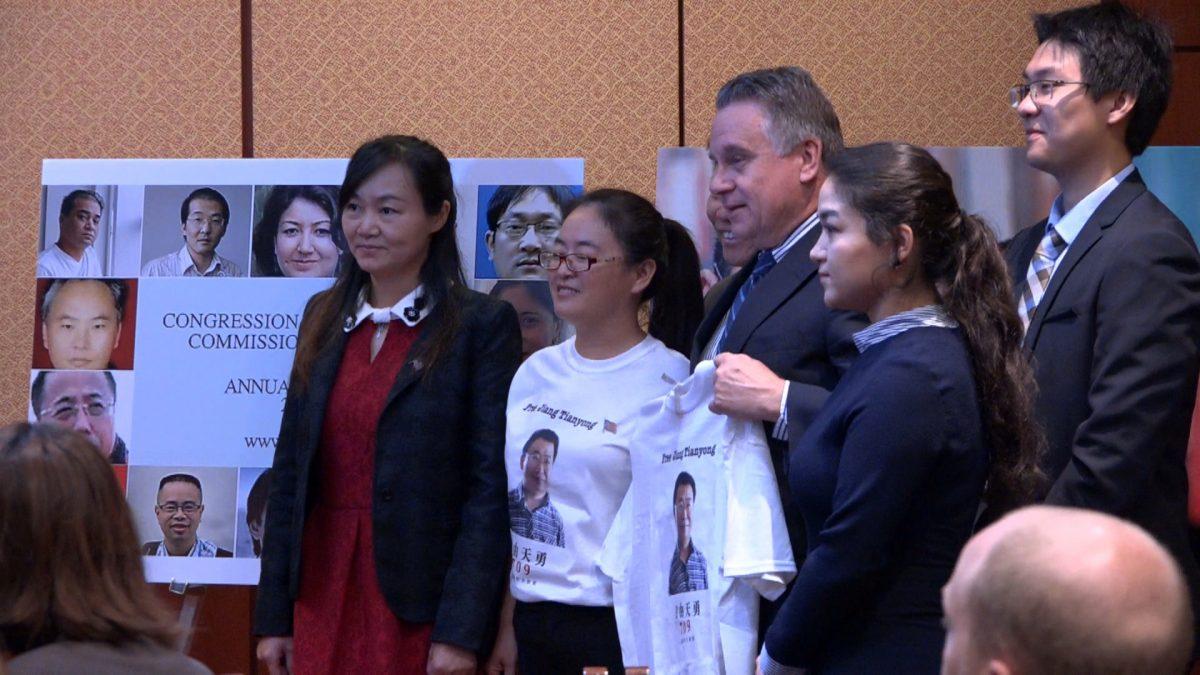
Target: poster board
x=185, y=376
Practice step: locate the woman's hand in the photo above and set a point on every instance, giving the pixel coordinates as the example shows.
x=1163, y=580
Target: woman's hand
x=276, y=653
x=447, y=659
x=503, y=660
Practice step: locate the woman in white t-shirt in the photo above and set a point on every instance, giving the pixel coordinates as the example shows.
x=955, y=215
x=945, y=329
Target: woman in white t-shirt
x=570, y=409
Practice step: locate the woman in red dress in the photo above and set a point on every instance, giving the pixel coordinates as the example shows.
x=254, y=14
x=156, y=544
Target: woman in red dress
x=385, y=546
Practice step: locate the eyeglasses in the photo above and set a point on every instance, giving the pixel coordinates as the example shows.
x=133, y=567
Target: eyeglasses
x=214, y=221
x=546, y=228
x=1041, y=91
x=576, y=262
x=66, y=412
x=537, y=458
x=189, y=508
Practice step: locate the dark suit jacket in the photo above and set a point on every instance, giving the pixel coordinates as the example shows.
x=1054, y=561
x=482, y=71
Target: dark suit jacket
x=785, y=324
x=440, y=511
x=1114, y=344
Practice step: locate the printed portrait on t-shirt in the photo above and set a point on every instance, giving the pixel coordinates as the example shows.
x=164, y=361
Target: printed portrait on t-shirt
x=530, y=511
x=688, y=569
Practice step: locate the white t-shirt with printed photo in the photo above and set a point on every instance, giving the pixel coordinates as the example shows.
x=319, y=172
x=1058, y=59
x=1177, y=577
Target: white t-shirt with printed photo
x=699, y=538
x=561, y=519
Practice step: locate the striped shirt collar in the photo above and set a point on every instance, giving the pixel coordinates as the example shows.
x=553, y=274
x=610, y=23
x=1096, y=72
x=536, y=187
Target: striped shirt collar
x=203, y=548
x=929, y=315
x=797, y=234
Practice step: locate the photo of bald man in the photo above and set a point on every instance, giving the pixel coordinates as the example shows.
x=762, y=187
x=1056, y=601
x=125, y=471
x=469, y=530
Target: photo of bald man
x=85, y=324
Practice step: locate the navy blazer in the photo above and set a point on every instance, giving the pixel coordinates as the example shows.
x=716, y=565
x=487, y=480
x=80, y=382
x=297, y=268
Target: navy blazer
x=440, y=513
x=1115, y=342
x=785, y=324
x=889, y=477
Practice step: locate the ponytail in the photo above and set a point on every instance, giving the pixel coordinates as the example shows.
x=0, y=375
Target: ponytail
x=678, y=306
x=895, y=183
x=975, y=291
x=674, y=293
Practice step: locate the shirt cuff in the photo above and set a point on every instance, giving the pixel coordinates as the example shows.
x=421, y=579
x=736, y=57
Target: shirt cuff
x=768, y=666
x=780, y=431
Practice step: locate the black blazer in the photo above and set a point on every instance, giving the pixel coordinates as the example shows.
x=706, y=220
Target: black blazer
x=440, y=511
x=1114, y=343
x=785, y=324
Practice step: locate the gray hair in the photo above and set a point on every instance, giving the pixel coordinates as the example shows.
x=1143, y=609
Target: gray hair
x=796, y=108
x=117, y=287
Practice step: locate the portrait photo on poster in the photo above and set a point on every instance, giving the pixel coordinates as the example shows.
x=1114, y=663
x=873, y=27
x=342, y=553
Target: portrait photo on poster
x=531, y=513
x=81, y=234
x=96, y=403
x=84, y=324
x=254, y=484
x=688, y=569
x=184, y=510
x=540, y=326
x=296, y=231
x=514, y=223
x=196, y=231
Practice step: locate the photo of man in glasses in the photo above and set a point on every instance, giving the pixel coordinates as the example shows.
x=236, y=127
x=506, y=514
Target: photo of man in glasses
x=179, y=508
x=203, y=217
x=522, y=220
x=83, y=400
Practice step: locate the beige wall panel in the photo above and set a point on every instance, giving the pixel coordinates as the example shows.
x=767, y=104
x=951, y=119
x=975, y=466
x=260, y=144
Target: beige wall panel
x=932, y=72
x=590, y=78
x=99, y=79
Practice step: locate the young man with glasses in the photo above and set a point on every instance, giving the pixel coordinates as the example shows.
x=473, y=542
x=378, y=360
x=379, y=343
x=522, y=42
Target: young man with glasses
x=204, y=215
x=82, y=400
x=179, y=509
x=1108, y=287
x=522, y=221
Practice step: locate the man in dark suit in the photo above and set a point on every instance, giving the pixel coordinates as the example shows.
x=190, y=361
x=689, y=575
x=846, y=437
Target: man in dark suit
x=1109, y=285
x=778, y=349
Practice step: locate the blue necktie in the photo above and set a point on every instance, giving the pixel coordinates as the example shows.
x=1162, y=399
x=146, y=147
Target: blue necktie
x=762, y=265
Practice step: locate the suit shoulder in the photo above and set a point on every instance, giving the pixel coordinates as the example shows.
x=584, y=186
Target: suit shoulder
x=1147, y=213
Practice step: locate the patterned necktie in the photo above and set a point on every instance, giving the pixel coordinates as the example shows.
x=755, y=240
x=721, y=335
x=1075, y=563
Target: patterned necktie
x=1038, y=279
x=763, y=265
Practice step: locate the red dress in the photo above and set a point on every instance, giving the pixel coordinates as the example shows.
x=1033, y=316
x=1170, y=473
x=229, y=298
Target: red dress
x=341, y=622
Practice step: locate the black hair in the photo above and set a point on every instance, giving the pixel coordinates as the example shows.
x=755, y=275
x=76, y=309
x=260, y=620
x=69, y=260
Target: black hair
x=545, y=435
x=795, y=106
x=117, y=287
x=537, y=289
x=677, y=304
x=1119, y=50
x=278, y=201
x=205, y=193
x=440, y=274
x=893, y=184
x=38, y=389
x=181, y=478
x=68, y=202
x=684, y=478
x=256, y=501
x=506, y=195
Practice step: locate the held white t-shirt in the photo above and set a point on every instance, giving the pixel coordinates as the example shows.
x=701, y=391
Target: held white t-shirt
x=705, y=479
x=559, y=522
